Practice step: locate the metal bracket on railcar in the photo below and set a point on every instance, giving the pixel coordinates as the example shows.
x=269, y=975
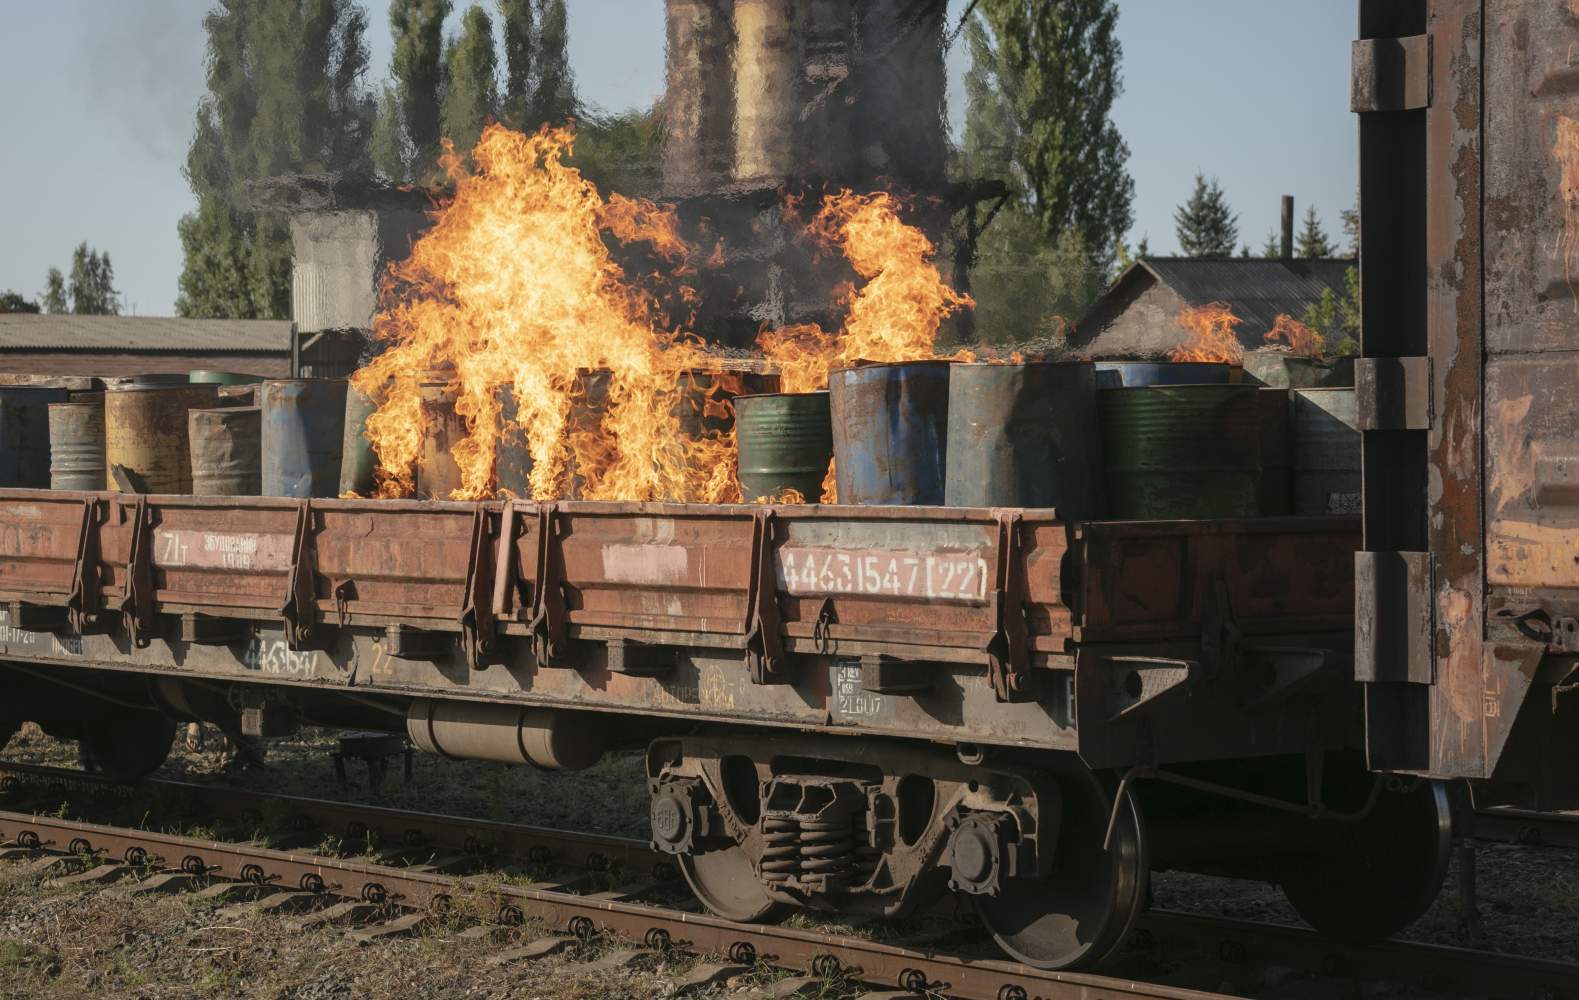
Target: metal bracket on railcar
x=1008, y=651
x=137, y=603
x=550, y=638
x=85, y=574
x=300, y=610
x=764, y=627
x=476, y=619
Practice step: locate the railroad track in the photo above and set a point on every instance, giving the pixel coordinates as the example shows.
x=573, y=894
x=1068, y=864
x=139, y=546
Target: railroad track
x=1521, y=826
x=395, y=899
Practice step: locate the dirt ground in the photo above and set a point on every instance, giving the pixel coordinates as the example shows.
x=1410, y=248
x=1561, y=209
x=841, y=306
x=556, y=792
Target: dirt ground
x=60, y=942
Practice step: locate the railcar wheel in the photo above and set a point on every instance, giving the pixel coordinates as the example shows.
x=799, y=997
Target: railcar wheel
x=1081, y=912
x=1382, y=872
x=130, y=746
x=723, y=880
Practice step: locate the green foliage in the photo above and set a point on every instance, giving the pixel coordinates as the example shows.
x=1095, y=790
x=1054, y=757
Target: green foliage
x=284, y=96
x=92, y=283
x=54, y=299
x=621, y=152
x=1313, y=243
x=409, y=110
x=553, y=99
x=1028, y=289
x=1272, y=249
x=1351, y=227
x=1039, y=94
x=517, y=25
x=471, y=93
x=1206, y=226
x=13, y=302
x=1338, y=319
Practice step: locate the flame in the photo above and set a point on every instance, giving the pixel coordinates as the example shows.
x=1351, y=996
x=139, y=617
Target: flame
x=514, y=286
x=893, y=316
x=789, y=495
x=830, y=484
x=1212, y=335
x=1567, y=152
x=1301, y=339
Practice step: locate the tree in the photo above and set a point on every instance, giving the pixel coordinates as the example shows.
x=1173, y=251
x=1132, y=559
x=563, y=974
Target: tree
x=1351, y=226
x=54, y=299
x=406, y=140
x=621, y=152
x=1039, y=95
x=92, y=283
x=1206, y=226
x=517, y=27
x=471, y=92
x=1338, y=319
x=1027, y=289
x=284, y=96
x=13, y=302
x=1313, y=241
x=553, y=87
x=1272, y=249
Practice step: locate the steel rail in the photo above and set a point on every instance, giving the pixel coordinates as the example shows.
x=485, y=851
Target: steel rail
x=1237, y=942
x=874, y=963
x=1524, y=826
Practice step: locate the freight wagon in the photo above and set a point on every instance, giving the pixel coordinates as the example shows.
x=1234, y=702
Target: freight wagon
x=862, y=708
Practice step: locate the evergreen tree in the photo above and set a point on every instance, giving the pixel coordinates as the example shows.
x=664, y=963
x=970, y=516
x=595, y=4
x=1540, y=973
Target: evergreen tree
x=1039, y=97
x=1272, y=249
x=1351, y=226
x=284, y=96
x=13, y=302
x=1206, y=226
x=54, y=299
x=1313, y=242
x=92, y=283
x=553, y=97
x=471, y=92
x=407, y=136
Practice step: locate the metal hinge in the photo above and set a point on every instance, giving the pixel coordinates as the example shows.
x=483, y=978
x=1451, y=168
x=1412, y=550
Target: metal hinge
x=765, y=657
x=1391, y=74
x=1008, y=651
x=1393, y=618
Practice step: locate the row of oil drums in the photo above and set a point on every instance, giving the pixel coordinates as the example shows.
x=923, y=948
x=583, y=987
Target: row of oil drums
x=1130, y=441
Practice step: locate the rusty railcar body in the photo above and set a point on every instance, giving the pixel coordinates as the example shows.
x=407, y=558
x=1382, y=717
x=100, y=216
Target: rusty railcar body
x=1468, y=588
x=846, y=706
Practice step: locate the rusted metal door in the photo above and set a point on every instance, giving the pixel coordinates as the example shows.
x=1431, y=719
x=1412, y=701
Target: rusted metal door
x=1469, y=125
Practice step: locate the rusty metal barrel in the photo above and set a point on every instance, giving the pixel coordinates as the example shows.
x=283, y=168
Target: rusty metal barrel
x=357, y=461
x=589, y=399
x=438, y=475
x=1182, y=452
x=785, y=442
x=890, y=432
x=1025, y=435
x=76, y=443
x=227, y=451
x=146, y=449
x=303, y=430
x=704, y=403
x=512, y=456
x=1326, y=451
x=1138, y=374
x=24, y=435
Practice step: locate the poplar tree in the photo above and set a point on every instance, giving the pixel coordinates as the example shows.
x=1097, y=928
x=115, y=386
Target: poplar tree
x=516, y=23
x=285, y=95
x=1205, y=225
x=471, y=91
x=407, y=138
x=1040, y=95
x=92, y=283
x=54, y=298
x=553, y=98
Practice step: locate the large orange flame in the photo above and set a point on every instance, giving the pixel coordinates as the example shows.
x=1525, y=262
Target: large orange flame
x=1212, y=335
x=893, y=316
x=1301, y=339
x=513, y=286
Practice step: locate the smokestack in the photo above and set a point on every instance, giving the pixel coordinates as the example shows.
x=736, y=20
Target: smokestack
x=1288, y=227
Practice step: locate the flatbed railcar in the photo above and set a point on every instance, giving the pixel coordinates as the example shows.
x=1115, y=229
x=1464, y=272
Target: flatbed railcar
x=852, y=708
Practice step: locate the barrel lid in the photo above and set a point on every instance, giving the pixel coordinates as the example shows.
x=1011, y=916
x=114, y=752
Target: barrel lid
x=202, y=376
x=861, y=366
x=129, y=383
x=780, y=395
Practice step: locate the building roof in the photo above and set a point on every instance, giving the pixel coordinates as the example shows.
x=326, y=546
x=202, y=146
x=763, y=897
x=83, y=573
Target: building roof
x=1256, y=289
x=142, y=334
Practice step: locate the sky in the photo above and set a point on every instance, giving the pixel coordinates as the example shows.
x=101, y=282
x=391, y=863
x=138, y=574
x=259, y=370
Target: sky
x=100, y=94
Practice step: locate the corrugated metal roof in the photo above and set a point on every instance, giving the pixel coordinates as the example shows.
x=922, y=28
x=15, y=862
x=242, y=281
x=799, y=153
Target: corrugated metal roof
x=1257, y=290
x=64, y=332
